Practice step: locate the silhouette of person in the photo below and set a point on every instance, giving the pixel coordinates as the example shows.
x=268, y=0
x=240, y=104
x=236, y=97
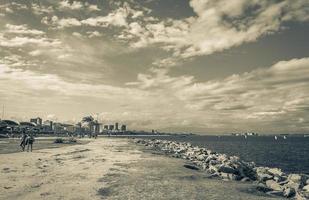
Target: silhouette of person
x=23, y=140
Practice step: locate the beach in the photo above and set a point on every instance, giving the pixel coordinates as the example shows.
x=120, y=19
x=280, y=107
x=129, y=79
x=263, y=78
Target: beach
x=111, y=168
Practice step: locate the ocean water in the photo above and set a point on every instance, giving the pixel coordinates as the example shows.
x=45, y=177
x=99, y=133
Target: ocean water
x=291, y=154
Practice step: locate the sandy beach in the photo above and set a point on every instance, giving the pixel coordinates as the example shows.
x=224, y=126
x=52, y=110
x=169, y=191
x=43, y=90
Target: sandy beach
x=110, y=168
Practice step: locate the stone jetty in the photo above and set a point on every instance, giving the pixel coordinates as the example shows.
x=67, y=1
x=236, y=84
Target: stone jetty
x=269, y=180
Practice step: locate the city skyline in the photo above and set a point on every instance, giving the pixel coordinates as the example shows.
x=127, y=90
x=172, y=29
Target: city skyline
x=190, y=66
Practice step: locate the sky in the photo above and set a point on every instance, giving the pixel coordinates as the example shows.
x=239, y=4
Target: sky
x=200, y=66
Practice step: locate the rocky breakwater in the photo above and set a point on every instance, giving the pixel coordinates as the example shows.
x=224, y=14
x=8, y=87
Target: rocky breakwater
x=269, y=180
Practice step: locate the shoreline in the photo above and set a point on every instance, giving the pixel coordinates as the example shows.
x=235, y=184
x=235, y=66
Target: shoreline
x=269, y=180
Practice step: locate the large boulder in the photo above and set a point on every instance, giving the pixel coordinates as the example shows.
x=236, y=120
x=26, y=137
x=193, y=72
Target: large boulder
x=297, y=178
x=264, y=177
x=214, y=162
x=213, y=169
x=226, y=169
x=306, y=188
x=274, y=185
x=210, y=157
x=201, y=157
x=289, y=192
x=276, y=172
x=275, y=193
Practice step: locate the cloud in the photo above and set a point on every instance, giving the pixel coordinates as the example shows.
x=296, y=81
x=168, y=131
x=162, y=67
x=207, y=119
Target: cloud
x=116, y=18
x=93, y=8
x=218, y=25
x=61, y=23
x=22, y=29
x=75, y=5
x=92, y=34
x=22, y=41
x=40, y=9
x=263, y=96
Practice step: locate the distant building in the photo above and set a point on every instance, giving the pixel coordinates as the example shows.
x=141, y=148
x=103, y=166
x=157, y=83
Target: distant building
x=111, y=127
x=58, y=128
x=37, y=121
x=105, y=127
x=26, y=125
x=116, y=126
x=68, y=128
x=123, y=127
x=49, y=124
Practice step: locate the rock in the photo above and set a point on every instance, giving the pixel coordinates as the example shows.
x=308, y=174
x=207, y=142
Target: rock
x=276, y=193
x=264, y=177
x=245, y=179
x=191, y=167
x=296, y=178
x=214, y=162
x=292, y=184
x=274, y=185
x=213, y=169
x=201, y=157
x=301, y=195
x=226, y=169
x=224, y=175
x=211, y=157
x=276, y=172
x=306, y=188
x=222, y=158
x=289, y=192
x=234, y=177
x=283, y=182
x=279, y=178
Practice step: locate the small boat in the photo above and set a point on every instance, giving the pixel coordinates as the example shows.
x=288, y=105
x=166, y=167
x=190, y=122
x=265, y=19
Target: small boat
x=284, y=137
x=276, y=138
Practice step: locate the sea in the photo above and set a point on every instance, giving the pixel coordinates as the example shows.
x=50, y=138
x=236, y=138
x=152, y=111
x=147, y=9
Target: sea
x=291, y=154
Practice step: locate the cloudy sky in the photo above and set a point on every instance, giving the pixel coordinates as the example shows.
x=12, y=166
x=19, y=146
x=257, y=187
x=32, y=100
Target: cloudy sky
x=174, y=65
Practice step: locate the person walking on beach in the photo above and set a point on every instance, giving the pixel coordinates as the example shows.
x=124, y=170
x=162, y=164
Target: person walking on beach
x=23, y=140
x=29, y=142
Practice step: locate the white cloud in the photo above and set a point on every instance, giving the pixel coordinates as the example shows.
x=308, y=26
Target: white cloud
x=92, y=34
x=116, y=18
x=40, y=9
x=35, y=52
x=74, y=5
x=61, y=23
x=76, y=34
x=22, y=29
x=22, y=41
x=93, y=8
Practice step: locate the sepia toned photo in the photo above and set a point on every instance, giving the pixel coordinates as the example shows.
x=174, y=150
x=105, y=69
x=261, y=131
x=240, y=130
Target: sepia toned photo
x=154, y=99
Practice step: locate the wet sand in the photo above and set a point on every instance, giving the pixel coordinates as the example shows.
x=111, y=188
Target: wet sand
x=110, y=168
